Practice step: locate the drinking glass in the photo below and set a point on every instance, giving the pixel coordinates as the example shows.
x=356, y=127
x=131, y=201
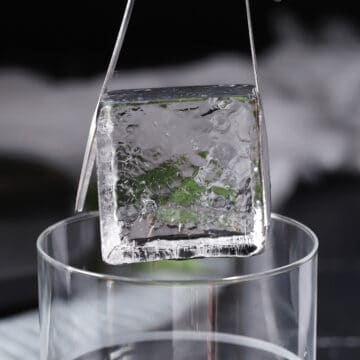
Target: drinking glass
x=254, y=308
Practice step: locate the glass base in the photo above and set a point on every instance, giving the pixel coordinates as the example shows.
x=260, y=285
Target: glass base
x=181, y=345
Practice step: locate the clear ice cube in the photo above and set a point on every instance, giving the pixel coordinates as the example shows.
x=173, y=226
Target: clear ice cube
x=179, y=173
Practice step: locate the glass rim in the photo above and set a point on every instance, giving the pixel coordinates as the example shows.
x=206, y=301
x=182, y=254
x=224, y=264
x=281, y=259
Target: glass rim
x=237, y=278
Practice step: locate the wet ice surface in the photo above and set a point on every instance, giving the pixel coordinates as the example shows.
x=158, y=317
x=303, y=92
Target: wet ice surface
x=179, y=173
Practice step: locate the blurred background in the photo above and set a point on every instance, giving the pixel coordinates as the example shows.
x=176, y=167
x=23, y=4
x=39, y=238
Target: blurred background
x=52, y=63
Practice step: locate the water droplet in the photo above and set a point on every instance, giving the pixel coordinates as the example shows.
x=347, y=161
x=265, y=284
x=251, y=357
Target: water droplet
x=194, y=145
x=131, y=129
x=220, y=122
x=149, y=206
x=224, y=104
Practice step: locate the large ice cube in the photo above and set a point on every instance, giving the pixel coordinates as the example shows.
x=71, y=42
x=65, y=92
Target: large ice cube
x=179, y=173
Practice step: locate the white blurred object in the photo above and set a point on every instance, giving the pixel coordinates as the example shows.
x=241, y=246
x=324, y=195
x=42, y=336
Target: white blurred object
x=310, y=92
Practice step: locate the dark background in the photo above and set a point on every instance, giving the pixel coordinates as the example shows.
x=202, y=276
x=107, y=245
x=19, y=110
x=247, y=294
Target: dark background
x=76, y=39
x=67, y=39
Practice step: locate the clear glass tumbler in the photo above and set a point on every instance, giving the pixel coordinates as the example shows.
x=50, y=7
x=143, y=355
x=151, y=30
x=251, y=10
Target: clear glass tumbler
x=256, y=308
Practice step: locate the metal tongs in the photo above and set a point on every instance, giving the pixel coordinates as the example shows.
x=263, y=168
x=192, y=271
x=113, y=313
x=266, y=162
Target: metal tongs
x=90, y=150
